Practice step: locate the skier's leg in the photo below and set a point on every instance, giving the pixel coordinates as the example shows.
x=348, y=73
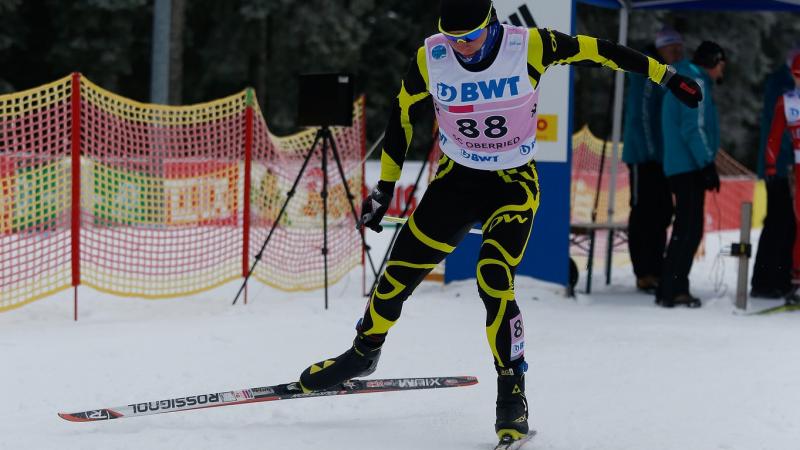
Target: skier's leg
x=440, y=221
x=506, y=230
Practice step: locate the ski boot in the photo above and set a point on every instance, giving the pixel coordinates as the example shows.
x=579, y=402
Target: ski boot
x=512, y=406
x=360, y=360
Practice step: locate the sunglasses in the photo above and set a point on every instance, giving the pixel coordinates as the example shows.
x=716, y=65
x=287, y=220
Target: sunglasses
x=469, y=36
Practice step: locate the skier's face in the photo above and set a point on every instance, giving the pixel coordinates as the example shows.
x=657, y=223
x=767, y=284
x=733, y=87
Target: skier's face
x=468, y=48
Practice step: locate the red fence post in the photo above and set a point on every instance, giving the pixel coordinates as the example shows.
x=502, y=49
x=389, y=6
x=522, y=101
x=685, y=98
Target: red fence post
x=248, y=163
x=76, y=186
x=363, y=123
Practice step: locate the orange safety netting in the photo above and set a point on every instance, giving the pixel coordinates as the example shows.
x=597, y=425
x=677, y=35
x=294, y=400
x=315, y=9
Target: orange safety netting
x=158, y=207
x=161, y=194
x=587, y=157
x=722, y=209
x=36, y=193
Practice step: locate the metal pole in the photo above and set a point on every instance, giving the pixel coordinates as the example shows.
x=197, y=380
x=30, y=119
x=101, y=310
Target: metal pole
x=277, y=220
x=616, y=133
x=159, y=67
x=326, y=135
x=744, y=263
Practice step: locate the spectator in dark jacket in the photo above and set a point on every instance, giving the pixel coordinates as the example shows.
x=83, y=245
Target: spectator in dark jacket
x=772, y=272
x=651, y=199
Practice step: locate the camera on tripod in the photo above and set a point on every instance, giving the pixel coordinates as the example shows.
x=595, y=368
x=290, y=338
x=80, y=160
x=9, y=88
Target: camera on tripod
x=325, y=99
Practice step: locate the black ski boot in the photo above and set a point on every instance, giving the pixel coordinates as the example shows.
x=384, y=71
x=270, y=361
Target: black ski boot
x=512, y=406
x=361, y=360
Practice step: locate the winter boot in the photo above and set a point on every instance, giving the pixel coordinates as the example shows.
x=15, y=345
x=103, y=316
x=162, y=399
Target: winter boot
x=680, y=300
x=647, y=284
x=512, y=406
x=361, y=360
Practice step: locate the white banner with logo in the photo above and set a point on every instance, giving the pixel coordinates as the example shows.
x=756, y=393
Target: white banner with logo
x=554, y=97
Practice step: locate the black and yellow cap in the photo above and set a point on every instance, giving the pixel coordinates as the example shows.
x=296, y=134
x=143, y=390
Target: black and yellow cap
x=464, y=15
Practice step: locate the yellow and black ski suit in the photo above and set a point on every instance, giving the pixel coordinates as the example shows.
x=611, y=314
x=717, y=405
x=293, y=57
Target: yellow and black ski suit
x=504, y=201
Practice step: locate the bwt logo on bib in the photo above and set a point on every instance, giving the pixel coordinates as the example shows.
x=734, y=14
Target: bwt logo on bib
x=482, y=90
x=478, y=158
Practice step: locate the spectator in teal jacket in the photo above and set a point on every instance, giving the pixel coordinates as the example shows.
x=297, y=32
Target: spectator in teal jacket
x=772, y=271
x=651, y=199
x=691, y=136
x=691, y=140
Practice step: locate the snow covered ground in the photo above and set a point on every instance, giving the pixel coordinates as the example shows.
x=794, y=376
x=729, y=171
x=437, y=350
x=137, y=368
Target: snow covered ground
x=608, y=371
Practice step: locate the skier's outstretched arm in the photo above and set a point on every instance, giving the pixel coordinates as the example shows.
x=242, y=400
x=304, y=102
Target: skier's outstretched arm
x=550, y=47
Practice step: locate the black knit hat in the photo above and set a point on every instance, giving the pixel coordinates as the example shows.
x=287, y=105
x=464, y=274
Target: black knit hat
x=708, y=54
x=463, y=15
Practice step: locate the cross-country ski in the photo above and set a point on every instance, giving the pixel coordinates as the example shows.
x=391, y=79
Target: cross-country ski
x=284, y=391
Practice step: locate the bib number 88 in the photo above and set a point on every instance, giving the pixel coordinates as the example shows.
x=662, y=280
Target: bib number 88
x=495, y=127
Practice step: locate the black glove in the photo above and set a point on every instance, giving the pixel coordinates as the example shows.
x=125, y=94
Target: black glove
x=684, y=88
x=375, y=205
x=710, y=177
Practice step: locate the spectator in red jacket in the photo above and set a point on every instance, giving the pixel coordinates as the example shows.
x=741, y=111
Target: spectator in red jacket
x=787, y=116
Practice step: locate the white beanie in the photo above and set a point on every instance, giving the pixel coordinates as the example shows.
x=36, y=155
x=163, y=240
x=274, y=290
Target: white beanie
x=668, y=36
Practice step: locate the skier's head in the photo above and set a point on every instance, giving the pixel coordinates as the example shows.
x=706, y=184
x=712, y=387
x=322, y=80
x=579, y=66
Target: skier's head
x=669, y=45
x=464, y=23
x=711, y=56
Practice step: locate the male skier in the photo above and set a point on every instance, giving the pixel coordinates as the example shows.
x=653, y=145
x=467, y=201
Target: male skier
x=483, y=78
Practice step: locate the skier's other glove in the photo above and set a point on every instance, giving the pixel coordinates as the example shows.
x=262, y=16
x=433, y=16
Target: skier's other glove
x=375, y=205
x=684, y=88
x=710, y=177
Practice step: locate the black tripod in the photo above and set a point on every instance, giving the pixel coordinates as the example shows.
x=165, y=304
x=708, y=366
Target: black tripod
x=323, y=134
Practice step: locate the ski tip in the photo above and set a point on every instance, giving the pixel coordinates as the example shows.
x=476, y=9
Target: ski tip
x=71, y=417
x=90, y=416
